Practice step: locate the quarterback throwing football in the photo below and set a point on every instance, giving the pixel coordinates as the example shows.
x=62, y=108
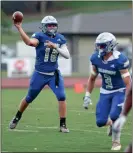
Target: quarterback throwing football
x=48, y=44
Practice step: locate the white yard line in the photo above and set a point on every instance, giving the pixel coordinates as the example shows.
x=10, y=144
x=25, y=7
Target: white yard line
x=55, y=127
x=94, y=131
x=18, y=130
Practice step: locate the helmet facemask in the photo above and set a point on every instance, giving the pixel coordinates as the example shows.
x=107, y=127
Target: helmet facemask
x=103, y=48
x=105, y=43
x=50, y=28
x=49, y=25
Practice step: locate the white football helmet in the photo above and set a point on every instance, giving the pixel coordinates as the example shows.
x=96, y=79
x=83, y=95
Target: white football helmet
x=49, y=25
x=105, y=43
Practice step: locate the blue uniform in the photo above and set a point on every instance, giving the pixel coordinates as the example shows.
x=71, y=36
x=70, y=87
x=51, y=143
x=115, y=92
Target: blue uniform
x=112, y=92
x=46, y=68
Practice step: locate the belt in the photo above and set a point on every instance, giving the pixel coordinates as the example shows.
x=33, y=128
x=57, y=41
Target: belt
x=56, y=73
x=46, y=73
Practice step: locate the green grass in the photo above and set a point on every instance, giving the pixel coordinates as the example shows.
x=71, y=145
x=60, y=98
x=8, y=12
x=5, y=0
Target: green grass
x=41, y=119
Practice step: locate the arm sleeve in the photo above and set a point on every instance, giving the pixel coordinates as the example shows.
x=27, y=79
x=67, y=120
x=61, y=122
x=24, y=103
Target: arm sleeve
x=63, y=51
x=123, y=63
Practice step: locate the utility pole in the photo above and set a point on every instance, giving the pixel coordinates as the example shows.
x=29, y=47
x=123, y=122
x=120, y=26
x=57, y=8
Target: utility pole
x=43, y=5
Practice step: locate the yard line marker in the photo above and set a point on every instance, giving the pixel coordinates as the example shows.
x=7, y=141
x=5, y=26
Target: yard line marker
x=54, y=127
x=43, y=127
x=94, y=131
x=49, y=127
x=18, y=130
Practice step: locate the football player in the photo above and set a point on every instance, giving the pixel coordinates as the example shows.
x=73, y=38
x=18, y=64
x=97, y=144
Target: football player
x=48, y=44
x=113, y=67
x=119, y=123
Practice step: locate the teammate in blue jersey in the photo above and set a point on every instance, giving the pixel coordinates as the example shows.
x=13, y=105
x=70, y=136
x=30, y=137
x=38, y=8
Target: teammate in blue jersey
x=116, y=82
x=48, y=44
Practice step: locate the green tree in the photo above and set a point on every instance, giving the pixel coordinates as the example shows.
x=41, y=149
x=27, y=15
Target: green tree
x=5, y=22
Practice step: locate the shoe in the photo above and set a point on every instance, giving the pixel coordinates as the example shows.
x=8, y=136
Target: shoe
x=116, y=146
x=64, y=129
x=109, y=131
x=14, y=122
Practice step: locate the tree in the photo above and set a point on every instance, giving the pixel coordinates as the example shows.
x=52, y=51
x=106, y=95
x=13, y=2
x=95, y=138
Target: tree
x=5, y=22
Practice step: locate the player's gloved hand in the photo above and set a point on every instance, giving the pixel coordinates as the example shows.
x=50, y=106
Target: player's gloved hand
x=87, y=100
x=119, y=123
x=50, y=44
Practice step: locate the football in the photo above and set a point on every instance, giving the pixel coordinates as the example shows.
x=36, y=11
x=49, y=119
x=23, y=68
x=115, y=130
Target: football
x=17, y=16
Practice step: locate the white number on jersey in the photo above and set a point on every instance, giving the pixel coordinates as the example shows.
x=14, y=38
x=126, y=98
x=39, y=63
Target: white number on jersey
x=108, y=81
x=52, y=57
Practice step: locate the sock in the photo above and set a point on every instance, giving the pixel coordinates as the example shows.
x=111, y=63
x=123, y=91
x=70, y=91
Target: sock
x=62, y=121
x=116, y=136
x=18, y=115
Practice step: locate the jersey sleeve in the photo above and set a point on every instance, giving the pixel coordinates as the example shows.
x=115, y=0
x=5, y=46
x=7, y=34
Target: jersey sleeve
x=36, y=35
x=123, y=62
x=92, y=59
x=63, y=40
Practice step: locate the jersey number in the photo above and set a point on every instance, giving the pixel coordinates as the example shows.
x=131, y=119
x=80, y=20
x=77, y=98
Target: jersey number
x=52, y=57
x=108, y=81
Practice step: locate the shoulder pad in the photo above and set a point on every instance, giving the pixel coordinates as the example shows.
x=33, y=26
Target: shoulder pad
x=63, y=39
x=123, y=62
x=93, y=57
x=36, y=35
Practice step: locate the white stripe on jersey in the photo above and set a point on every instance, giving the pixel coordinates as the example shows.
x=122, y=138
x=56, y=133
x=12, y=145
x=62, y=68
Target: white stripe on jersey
x=104, y=91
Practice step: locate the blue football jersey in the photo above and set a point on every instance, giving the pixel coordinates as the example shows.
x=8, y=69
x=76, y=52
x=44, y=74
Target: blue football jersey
x=110, y=70
x=46, y=58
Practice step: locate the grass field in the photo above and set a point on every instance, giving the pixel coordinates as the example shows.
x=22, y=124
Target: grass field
x=38, y=129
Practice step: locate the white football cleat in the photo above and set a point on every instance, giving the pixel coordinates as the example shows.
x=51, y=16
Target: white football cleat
x=13, y=123
x=64, y=129
x=116, y=146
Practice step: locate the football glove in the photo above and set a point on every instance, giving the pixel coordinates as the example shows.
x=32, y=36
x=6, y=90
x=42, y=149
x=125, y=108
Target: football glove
x=87, y=101
x=119, y=123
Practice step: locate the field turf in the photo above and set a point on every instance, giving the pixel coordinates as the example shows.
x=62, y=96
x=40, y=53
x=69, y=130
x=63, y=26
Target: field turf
x=38, y=128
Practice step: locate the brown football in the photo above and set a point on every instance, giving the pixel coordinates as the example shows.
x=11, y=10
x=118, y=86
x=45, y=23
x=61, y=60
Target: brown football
x=17, y=16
